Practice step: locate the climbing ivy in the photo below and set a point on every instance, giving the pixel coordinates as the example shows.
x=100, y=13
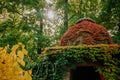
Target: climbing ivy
x=54, y=62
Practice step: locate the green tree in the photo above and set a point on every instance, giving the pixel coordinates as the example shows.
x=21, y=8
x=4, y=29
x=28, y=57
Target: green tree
x=110, y=16
x=21, y=21
x=73, y=10
x=110, y=13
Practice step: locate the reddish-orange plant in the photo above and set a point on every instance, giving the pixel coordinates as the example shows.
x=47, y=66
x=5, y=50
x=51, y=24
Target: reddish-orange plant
x=86, y=32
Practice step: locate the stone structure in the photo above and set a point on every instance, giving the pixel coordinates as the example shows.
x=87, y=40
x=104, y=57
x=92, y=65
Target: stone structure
x=85, y=31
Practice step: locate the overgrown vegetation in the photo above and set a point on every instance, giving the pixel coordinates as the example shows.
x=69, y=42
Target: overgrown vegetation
x=26, y=21
x=54, y=62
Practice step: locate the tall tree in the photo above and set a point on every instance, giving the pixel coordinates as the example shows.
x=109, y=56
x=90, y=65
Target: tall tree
x=66, y=7
x=110, y=13
x=23, y=23
x=73, y=10
x=110, y=17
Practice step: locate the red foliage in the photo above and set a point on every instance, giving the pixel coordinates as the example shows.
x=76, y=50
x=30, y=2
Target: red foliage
x=102, y=77
x=85, y=32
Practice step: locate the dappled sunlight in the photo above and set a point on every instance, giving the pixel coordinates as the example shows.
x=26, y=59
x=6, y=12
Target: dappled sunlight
x=48, y=1
x=50, y=14
x=56, y=36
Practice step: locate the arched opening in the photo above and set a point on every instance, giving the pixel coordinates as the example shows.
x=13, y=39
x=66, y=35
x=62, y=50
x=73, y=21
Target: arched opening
x=84, y=73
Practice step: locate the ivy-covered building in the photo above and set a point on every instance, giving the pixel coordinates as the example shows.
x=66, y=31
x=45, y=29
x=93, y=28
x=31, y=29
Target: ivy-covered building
x=85, y=31
x=86, y=52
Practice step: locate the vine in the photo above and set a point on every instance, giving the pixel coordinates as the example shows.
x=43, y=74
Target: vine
x=54, y=62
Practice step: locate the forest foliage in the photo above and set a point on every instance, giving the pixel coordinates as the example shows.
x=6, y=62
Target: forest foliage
x=27, y=21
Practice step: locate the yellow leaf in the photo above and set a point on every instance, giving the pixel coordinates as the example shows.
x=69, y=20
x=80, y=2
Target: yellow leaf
x=25, y=52
x=15, y=47
x=20, y=54
x=27, y=76
x=1, y=48
x=21, y=61
x=30, y=71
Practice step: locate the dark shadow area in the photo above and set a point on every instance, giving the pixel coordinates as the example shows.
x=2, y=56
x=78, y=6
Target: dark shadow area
x=84, y=73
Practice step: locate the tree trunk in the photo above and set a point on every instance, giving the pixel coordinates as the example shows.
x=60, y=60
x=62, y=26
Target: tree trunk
x=40, y=32
x=66, y=14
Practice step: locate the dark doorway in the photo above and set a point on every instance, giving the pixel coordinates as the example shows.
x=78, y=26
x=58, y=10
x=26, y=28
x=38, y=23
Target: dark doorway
x=84, y=73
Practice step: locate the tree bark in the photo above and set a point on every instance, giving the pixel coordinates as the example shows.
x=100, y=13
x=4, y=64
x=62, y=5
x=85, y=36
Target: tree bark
x=66, y=14
x=40, y=32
